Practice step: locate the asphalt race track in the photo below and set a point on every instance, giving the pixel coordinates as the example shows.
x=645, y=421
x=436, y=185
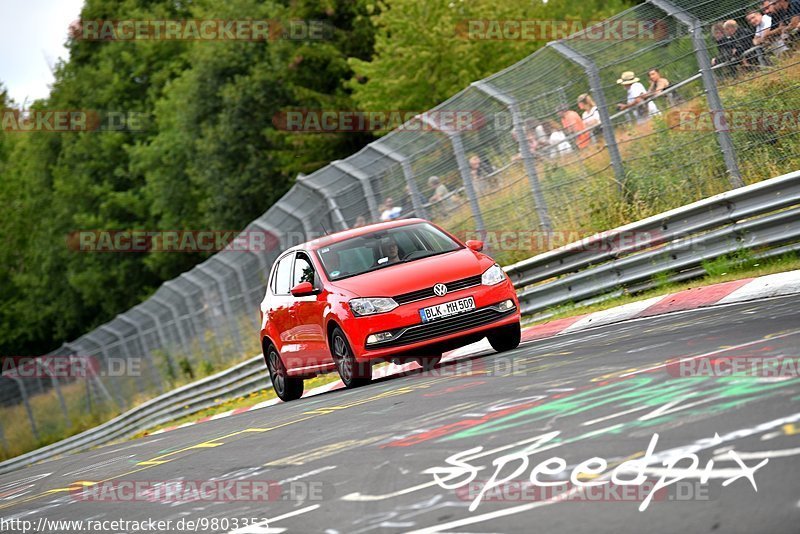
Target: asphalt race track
x=353, y=461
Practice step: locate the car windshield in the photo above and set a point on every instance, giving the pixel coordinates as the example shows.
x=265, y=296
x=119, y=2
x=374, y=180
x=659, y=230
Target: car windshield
x=384, y=248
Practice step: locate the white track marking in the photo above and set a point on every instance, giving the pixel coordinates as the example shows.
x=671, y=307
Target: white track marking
x=614, y=315
x=772, y=285
x=264, y=528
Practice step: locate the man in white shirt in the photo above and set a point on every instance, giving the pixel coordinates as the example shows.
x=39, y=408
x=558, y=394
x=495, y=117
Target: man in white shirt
x=636, y=94
x=763, y=35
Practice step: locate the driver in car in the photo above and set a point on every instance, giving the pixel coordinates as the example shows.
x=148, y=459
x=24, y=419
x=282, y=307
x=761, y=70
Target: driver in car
x=389, y=250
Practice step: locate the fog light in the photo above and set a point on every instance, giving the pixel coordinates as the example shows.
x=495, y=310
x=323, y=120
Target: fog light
x=506, y=305
x=379, y=337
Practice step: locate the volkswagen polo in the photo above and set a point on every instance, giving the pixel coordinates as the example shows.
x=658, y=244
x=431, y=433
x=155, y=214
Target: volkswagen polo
x=398, y=291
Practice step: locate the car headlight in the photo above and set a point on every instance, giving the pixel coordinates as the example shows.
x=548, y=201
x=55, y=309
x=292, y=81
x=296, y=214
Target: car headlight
x=493, y=275
x=372, y=305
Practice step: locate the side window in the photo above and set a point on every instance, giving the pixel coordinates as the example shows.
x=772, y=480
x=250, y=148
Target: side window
x=283, y=276
x=303, y=270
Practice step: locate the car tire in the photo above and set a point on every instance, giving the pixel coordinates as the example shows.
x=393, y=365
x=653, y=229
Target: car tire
x=429, y=362
x=505, y=338
x=352, y=372
x=287, y=388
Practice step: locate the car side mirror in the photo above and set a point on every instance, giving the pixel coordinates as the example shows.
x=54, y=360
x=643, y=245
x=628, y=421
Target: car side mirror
x=303, y=289
x=475, y=245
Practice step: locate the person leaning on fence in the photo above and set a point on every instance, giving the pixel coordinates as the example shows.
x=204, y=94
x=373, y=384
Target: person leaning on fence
x=390, y=211
x=482, y=173
x=442, y=200
x=765, y=41
x=785, y=16
x=590, y=115
x=731, y=47
x=556, y=140
x=637, y=94
x=572, y=124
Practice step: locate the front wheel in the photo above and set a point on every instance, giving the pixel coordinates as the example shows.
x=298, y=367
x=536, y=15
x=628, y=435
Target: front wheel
x=505, y=338
x=353, y=373
x=288, y=388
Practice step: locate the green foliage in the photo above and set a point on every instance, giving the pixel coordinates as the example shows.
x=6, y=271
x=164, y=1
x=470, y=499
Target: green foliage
x=186, y=368
x=424, y=53
x=210, y=158
x=735, y=261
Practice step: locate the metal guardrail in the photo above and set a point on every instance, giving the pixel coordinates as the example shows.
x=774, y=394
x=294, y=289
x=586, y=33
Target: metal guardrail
x=240, y=379
x=764, y=217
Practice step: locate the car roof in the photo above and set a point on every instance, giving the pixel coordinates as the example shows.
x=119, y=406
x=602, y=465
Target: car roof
x=337, y=237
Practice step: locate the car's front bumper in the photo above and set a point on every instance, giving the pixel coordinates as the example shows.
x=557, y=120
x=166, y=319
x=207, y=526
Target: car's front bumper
x=412, y=335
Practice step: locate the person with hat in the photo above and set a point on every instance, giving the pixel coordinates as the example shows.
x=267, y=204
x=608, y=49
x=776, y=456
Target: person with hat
x=636, y=95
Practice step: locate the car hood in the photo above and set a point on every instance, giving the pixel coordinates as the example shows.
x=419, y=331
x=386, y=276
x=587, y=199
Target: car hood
x=417, y=274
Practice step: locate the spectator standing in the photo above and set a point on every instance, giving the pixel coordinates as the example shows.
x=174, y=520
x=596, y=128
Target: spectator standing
x=590, y=115
x=441, y=195
x=735, y=41
x=636, y=96
x=390, y=211
x=556, y=140
x=657, y=83
x=573, y=123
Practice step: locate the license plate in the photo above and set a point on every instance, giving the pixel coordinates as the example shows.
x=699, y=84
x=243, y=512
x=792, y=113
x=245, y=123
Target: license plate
x=446, y=309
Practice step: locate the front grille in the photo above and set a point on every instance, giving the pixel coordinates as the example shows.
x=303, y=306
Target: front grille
x=426, y=293
x=443, y=327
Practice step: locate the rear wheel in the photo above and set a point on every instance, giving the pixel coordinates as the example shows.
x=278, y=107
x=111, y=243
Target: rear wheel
x=288, y=388
x=505, y=338
x=353, y=373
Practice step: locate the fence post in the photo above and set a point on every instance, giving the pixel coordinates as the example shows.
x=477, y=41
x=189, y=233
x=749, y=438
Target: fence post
x=695, y=27
x=141, y=308
x=417, y=200
x=226, y=303
x=308, y=230
x=24, y=394
x=57, y=387
x=175, y=315
x=192, y=278
x=235, y=267
x=333, y=206
x=596, y=86
x=97, y=377
x=145, y=350
x=463, y=167
x=524, y=149
x=128, y=358
x=366, y=185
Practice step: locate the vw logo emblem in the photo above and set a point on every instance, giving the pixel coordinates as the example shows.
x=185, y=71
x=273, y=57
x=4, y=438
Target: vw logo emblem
x=440, y=290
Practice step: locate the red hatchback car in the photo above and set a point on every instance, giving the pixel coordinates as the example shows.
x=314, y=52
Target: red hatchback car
x=399, y=291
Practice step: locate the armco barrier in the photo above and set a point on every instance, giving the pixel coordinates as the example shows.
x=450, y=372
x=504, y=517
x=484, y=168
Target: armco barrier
x=763, y=217
x=240, y=379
